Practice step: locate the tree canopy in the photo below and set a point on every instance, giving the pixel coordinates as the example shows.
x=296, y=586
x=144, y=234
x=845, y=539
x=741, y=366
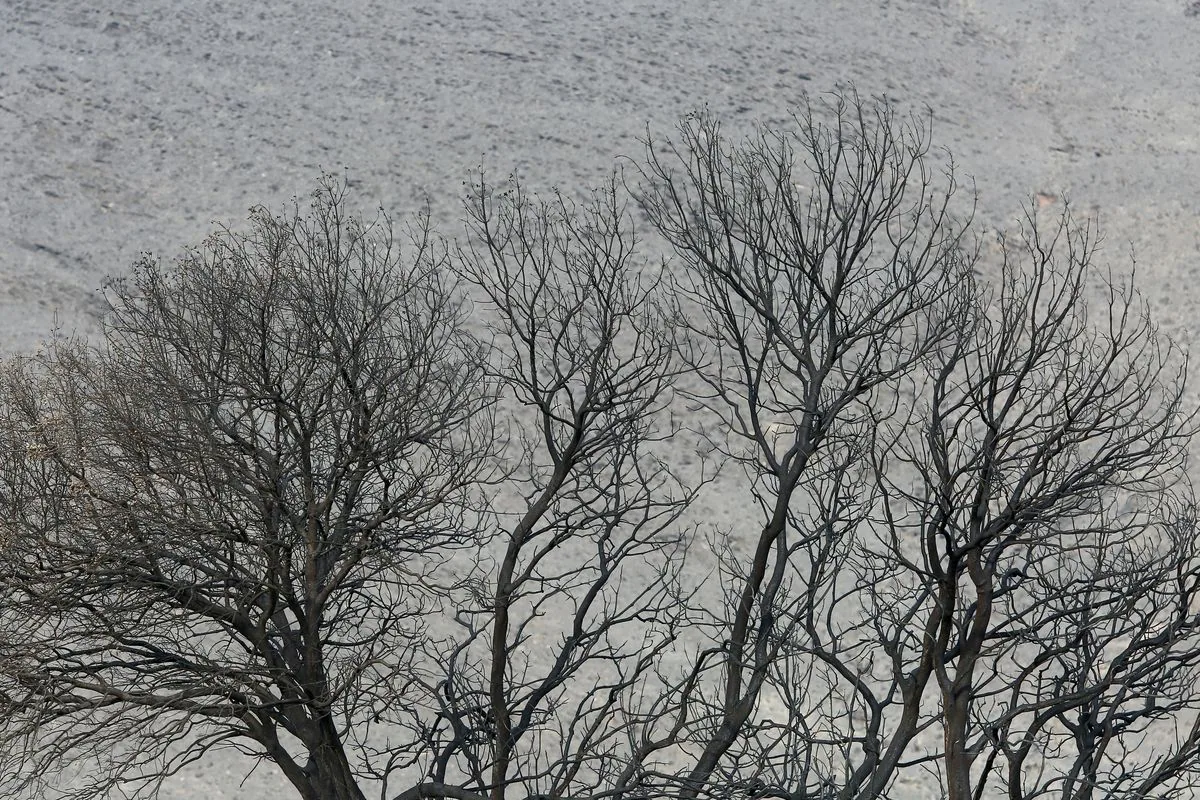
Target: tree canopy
x=418, y=517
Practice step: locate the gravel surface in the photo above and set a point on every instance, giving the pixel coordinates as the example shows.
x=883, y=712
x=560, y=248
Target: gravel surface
x=129, y=130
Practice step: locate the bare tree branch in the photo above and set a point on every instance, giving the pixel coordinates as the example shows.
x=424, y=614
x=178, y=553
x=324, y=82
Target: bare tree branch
x=420, y=518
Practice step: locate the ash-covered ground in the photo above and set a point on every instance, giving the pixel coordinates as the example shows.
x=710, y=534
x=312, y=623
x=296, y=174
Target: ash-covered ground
x=131, y=128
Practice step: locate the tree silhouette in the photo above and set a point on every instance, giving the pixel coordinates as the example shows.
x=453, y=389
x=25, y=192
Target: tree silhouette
x=419, y=518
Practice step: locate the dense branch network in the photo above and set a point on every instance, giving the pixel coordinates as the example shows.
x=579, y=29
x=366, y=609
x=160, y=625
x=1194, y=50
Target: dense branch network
x=423, y=518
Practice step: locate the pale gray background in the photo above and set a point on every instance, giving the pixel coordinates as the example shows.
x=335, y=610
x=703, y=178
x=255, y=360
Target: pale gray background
x=129, y=128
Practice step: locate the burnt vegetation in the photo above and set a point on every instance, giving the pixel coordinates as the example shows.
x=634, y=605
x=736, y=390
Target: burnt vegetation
x=412, y=517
